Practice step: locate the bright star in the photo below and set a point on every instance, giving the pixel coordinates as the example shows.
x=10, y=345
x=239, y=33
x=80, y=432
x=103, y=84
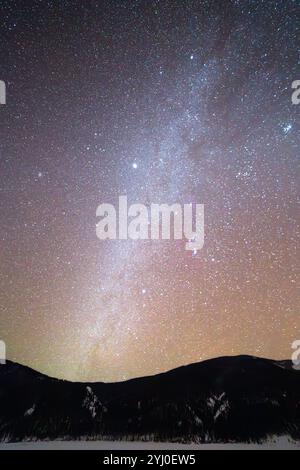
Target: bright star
x=287, y=128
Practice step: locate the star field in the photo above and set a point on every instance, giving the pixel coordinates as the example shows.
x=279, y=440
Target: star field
x=165, y=102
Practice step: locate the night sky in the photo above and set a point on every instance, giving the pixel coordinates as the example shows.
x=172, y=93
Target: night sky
x=163, y=101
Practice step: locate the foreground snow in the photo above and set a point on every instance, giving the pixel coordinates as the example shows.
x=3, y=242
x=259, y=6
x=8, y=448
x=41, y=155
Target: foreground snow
x=276, y=443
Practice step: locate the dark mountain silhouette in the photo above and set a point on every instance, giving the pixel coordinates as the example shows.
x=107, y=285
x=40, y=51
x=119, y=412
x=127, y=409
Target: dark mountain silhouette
x=228, y=399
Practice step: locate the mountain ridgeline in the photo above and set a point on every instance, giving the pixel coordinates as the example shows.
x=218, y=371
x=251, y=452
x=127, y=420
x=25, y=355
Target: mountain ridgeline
x=228, y=399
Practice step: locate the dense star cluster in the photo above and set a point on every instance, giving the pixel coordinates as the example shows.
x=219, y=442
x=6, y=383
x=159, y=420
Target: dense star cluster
x=163, y=101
